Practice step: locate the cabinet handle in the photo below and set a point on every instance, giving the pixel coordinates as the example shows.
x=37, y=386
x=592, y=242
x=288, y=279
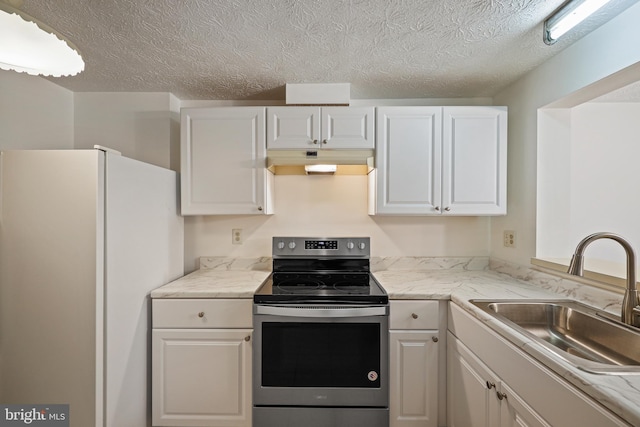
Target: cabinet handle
x=501, y=395
x=490, y=385
x=437, y=208
x=315, y=141
x=434, y=339
x=324, y=141
x=201, y=314
x=447, y=209
x=260, y=208
x=415, y=316
x=247, y=338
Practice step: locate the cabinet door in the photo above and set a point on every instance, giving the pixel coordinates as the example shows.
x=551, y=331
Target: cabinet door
x=223, y=161
x=413, y=388
x=471, y=389
x=408, y=160
x=293, y=128
x=347, y=128
x=474, y=166
x=201, y=377
x=514, y=412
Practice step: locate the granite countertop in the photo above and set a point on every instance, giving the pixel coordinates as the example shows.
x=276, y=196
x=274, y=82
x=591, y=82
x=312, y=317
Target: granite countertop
x=619, y=393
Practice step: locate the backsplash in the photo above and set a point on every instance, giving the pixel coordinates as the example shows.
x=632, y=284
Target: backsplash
x=429, y=263
x=566, y=288
x=377, y=263
x=229, y=264
x=590, y=295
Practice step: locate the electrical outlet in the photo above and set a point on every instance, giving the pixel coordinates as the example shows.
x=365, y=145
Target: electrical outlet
x=509, y=239
x=236, y=236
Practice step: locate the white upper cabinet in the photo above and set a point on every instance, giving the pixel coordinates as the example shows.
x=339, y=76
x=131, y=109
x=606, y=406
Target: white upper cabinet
x=223, y=162
x=474, y=160
x=313, y=128
x=409, y=145
x=440, y=161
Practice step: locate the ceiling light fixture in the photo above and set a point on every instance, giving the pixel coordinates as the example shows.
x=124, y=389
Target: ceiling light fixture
x=29, y=46
x=568, y=16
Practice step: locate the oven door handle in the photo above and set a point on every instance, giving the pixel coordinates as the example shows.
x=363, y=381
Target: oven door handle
x=321, y=311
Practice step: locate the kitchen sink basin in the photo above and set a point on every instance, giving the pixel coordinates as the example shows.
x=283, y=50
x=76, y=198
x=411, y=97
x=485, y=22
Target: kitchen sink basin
x=588, y=338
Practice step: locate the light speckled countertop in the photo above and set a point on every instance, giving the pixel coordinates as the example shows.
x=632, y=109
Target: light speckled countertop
x=206, y=283
x=451, y=280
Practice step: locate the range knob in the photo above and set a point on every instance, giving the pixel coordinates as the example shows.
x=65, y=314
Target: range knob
x=292, y=245
x=280, y=245
x=362, y=245
x=350, y=245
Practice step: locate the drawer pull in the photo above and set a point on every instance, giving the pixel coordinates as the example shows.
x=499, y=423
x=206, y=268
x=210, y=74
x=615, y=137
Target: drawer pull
x=201, y=314
x=415, y=316
x=247, y=338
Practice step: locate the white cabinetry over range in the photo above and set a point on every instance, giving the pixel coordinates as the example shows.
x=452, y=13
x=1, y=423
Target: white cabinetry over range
x=317, y=128
x=414, y=354
x=201, y=362
x=440, y=161
x=223, y=162
x=490, y=383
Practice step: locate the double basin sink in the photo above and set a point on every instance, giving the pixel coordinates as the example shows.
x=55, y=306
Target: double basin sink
x=590, y=339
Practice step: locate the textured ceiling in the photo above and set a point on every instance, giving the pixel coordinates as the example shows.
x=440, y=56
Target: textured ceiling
x=248, y=49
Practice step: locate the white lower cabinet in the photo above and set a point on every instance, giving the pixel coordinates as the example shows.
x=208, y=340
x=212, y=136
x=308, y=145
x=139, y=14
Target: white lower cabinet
x=477, y=398
x=490, y=383
x=201, y=363
x=414, y=354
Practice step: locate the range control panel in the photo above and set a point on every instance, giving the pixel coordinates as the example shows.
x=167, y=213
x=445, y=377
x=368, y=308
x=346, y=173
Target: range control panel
x=333, y=247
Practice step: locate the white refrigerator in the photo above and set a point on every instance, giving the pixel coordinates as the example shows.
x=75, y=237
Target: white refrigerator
x=85, y=235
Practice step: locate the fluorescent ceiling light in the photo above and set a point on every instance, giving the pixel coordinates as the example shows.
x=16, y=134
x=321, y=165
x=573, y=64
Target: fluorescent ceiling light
x=568, y=16
x=29, y=46
x=320, y=169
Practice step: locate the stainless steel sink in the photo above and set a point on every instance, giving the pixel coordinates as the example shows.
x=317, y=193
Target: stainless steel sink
x=588, y=338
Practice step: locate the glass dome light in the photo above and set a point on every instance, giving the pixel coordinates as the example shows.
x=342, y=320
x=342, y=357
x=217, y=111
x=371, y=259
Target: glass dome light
x=29, y=46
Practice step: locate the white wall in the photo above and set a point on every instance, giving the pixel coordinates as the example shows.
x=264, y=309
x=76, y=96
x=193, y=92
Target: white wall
x=610, y=48
x=143, y=126
x=333, y=206
x=595, y=187
x=34, y=113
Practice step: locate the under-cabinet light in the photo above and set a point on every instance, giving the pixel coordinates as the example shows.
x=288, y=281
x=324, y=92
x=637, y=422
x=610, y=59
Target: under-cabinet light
x=320, y=169
x=568, y=16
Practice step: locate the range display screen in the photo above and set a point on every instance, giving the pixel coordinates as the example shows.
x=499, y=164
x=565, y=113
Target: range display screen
x=321, y=244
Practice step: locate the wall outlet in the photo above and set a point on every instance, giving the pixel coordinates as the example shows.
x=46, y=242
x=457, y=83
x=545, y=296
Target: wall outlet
x=509, y=239
x=236, y=236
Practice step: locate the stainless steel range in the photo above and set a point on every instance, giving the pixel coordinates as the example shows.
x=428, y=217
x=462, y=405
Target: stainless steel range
x=321, y=337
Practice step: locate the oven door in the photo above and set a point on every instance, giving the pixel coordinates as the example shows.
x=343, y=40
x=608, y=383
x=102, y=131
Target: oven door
x=321, y=356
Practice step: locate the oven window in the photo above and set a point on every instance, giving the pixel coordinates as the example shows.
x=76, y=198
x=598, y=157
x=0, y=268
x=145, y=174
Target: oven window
x=321, y=355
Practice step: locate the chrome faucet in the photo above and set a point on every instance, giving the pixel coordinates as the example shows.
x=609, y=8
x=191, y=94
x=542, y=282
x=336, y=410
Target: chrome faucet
x=631, y=301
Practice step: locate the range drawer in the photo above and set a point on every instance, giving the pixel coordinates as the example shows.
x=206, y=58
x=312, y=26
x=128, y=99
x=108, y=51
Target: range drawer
x=202, y=313
x=413, y=314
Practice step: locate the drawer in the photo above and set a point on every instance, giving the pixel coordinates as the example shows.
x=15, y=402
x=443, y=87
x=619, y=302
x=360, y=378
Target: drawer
x=413, y=314
x=202, y=313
